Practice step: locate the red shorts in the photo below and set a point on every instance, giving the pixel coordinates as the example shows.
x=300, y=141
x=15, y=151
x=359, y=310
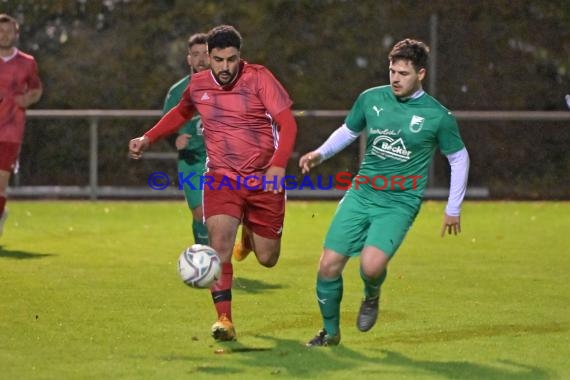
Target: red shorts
x=261, y=211
x=9, y=153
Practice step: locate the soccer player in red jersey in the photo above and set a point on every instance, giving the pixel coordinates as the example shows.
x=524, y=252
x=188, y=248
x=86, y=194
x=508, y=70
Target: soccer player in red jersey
x=20, y=87
x=249, y=133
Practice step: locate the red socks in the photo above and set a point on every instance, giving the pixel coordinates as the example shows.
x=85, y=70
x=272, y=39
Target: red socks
x=2, y=205
x=222, y=291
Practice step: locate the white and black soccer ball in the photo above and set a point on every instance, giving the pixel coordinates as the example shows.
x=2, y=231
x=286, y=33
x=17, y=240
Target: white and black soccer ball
x=199, y=266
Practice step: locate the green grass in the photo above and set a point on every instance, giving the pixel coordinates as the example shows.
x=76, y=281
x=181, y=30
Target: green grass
x=90, y=291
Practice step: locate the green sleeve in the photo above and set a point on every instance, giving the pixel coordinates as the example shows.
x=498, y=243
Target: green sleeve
x=448, y=137
x=356, y=120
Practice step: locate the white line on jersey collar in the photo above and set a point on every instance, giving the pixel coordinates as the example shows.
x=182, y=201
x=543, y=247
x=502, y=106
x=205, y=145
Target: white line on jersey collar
x=6, y=59
x=415, y=95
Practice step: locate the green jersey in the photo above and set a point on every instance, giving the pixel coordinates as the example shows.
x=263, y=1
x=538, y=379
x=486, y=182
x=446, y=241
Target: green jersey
x=402, y=136
x=195, y=151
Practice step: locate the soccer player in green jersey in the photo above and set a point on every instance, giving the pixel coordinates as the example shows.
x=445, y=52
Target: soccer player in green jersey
x=190, y=142
x=404, y=126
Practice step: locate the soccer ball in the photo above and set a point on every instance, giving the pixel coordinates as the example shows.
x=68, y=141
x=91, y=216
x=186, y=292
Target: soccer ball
x=199, y=266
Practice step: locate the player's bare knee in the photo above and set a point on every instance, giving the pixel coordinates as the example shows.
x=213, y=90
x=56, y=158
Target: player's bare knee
x=373, y=262
x=331, y=264
x=329, y=269
x=373, y=272
x=223, y=249
x=270, y=263
x=268, y=259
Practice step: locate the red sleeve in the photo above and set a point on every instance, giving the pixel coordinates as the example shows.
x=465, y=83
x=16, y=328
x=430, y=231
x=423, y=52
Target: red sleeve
x=34, y=81
x=287, y=135
x=272, y=93
x=171, y=121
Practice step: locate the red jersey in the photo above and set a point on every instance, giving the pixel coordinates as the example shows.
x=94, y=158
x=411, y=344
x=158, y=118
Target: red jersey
x=239, y=132
x=17, y=75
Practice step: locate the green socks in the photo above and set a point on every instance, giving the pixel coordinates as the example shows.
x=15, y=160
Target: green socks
x=200, y=232
x=329, y=295
x=372, y=285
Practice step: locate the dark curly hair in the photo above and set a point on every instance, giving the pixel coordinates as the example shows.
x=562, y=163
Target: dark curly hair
x=413, y=50
x=224, y=36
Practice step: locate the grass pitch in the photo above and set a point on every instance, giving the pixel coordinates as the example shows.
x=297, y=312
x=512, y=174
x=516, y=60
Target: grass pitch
x=90, y=290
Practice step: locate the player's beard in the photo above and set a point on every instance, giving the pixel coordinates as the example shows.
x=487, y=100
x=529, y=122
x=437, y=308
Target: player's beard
x=228, y=77
x=200, y=67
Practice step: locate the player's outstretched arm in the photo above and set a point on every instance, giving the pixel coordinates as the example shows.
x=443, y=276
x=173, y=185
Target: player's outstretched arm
x=167, y=125
x=337, y=141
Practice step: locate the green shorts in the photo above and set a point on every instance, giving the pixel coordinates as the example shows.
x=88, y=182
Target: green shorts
x=360, y=222
x=193, y=195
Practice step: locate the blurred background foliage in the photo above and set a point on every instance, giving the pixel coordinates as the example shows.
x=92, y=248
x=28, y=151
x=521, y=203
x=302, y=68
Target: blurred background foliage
x=125, y=54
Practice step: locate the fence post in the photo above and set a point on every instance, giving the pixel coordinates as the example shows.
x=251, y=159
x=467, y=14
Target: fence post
x=93, y=157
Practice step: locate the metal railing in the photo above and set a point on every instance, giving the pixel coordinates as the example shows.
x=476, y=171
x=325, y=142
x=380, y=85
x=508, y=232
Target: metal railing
x=94, y=191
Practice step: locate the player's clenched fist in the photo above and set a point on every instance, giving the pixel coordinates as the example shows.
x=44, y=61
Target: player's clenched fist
x=138, y=146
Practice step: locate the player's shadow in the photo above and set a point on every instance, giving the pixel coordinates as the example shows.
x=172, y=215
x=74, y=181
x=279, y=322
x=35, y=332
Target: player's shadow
x=290, y=358
x=253, y=286
x=21, y=255
x=475, y=332
x=297, y=361
x=504, y=370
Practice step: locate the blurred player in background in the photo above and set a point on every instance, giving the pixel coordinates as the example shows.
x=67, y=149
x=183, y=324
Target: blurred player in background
x=20, y=87
x=404, y=126
x=190, y=142
x=249, y=131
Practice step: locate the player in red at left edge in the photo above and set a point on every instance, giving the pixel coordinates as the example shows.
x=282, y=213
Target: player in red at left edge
x=20, y=87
